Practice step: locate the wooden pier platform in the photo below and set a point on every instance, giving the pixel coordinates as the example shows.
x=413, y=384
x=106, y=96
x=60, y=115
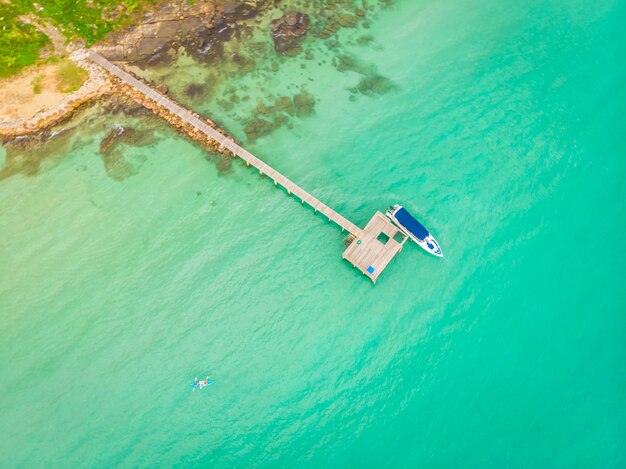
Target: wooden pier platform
x=366, y=252
x=373, y=249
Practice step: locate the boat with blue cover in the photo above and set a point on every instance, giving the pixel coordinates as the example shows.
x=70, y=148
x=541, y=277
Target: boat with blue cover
x=414, y=229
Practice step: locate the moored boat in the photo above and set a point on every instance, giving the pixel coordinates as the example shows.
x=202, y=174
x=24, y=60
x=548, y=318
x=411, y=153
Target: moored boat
x=414, y=229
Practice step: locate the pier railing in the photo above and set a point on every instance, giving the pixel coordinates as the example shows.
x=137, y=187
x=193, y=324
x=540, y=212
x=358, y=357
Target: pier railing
x=249, y=158
x=368, y=251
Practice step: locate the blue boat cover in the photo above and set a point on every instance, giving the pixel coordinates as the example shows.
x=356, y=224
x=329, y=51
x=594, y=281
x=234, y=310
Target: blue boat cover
x=411, y=224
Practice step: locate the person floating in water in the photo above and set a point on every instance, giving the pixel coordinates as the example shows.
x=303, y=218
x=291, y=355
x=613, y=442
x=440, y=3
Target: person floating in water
x=201, y=383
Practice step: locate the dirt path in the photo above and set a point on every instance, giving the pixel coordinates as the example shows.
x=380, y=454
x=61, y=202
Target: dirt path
x=59, y=42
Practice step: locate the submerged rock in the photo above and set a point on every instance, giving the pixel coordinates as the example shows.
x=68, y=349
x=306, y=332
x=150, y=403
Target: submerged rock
x=330, y=28
x=117, y=104
x=226, y=105
x=347, y=20
x=223, y=164
x=208, y=44
x=245, y=64
x=126, y=135
x=29, y=154
x=349, y=63
x=116, y=165
x=305, y=104
x=265, y=110
x=289, y=31
x=194, y=90
x=258, y=128
x=373, y=85
x=281, y=120
x=365, y=40
x=110, y=141
x=286, y=104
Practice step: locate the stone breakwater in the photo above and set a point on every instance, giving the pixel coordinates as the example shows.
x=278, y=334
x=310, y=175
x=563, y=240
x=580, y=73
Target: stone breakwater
x=175, y=121
x=100, y=84
x=96, y=86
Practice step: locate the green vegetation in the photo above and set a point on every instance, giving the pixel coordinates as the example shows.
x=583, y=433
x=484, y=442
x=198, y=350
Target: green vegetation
x=70, y=77
x=37, y=83
x=89, y=20
x=19, y=43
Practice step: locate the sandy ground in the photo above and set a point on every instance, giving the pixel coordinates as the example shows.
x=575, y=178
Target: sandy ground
x=18, y=99
x=24, y=111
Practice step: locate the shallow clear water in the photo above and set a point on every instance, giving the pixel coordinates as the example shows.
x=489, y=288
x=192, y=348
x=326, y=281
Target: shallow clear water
x=503, y=134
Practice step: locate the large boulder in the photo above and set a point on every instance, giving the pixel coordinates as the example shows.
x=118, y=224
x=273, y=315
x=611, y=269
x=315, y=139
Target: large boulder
x=289, y=31
x=158, y=31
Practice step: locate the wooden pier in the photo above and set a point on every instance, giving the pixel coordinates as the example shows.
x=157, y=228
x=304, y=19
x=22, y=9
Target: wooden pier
x=377, y=244
x=369, y=250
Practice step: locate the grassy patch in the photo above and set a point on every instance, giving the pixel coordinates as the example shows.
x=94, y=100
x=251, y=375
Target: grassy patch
x=70, y=77
x=37, y=83
x=19, y=43
x=89, y=20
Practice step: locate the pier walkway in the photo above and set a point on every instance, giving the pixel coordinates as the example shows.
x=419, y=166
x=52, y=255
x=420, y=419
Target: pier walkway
x=366, y=251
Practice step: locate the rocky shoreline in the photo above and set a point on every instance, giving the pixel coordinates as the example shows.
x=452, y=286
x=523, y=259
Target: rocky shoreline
x=105, y=84
x=202, y=28
x=96, y=86
x=198, y=26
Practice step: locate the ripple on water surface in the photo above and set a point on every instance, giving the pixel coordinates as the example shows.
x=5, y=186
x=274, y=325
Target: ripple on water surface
x=115, y=292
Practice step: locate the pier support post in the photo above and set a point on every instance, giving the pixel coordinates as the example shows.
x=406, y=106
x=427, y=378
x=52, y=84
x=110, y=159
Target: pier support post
x=275, y=183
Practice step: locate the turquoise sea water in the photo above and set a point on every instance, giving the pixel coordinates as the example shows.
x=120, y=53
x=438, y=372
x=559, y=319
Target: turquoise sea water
x=504, y=133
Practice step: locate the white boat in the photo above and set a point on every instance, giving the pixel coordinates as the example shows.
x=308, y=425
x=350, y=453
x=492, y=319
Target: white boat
x=414, y=229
